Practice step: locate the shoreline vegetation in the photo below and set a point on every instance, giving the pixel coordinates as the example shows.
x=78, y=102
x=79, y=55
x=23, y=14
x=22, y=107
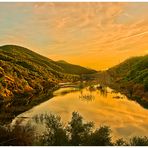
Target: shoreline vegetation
x=7, y=116
x=130, y=78
x=76, y=132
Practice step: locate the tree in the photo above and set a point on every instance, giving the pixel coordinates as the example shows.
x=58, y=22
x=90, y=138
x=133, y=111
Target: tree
x=79, y=131
x=55, y=134
x=101, y=137
x=120, y=142
x=139, y=141
x=17, y=135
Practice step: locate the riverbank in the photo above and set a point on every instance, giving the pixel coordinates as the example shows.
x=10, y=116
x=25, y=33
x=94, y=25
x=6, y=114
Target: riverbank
x=7, y=115
x=132, y=90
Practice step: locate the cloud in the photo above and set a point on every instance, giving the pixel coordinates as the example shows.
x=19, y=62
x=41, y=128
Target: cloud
x=71, y=29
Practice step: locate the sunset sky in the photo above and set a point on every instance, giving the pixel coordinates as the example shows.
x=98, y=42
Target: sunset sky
x=96, y=35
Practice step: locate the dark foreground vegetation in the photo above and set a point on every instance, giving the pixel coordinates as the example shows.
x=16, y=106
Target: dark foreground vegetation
x=75, y=133
x=130, y=78
x=27, y=78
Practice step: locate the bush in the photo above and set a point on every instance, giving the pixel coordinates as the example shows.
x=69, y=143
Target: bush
x=101, y=137
x=17, y=135
x=76, y=133
x=78, y=130
x=139, y=141
x=121, y=142
x=55, y=134
x=146, y=84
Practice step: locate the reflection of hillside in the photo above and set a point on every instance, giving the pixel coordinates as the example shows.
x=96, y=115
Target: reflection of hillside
x=86, y=96
x=64, y=91
x=102, y=90
x=91, y=88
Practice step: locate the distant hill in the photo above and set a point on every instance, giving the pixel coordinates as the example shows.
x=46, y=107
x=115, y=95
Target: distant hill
x=74, y=69
x=25, y=74
x=132, y=76
x=61, y=61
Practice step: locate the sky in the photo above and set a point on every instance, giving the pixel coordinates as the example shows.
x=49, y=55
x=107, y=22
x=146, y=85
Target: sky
x=95, y=35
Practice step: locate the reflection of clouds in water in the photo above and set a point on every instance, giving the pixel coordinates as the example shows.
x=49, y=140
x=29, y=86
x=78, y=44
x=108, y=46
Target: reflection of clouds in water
x=124, y=116
x=129, y=131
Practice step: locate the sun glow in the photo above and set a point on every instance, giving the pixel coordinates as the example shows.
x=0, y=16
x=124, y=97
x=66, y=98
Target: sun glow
x=96, y=35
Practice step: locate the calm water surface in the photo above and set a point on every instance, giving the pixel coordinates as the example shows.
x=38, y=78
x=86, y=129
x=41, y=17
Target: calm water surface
x=102, y=106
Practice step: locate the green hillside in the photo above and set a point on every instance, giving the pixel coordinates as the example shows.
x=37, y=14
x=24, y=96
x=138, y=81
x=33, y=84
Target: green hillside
x=26, y=75
x=74, y=69
x=132, y=76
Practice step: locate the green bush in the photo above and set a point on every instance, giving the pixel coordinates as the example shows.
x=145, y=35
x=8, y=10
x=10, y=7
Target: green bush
x=146, y=84
x=139, y=141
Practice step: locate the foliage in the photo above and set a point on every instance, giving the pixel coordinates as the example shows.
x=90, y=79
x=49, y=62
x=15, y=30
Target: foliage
x=146, y=84
x=17, y=135
x=76, y=133
x=101, y=137
x=134, y=69
x=131, y=76
x=139, y=141
x=78, y=130
x=74, y=69
x=55, y=133
x=121, y=142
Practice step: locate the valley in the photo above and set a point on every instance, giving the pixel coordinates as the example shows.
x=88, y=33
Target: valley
x=27, y=78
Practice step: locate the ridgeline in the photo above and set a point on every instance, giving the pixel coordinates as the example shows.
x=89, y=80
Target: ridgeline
x=27, y=78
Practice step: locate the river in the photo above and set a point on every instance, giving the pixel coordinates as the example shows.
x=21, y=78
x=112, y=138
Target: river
x=103, y=106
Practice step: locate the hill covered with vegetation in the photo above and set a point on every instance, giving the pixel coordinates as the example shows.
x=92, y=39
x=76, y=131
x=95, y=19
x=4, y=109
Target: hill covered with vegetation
x=74, y=69
x=26, y=75
x=131, y=77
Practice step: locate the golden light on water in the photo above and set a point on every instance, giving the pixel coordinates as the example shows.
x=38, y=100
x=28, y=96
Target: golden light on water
x=103, y=109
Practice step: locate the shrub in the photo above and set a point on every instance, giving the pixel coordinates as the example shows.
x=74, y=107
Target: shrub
x=78, y=130
x=139, y=141
x=17, y=135
x=101, y=137
x=146, y=84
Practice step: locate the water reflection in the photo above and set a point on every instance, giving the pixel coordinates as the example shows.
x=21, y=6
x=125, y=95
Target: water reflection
x=117, y=97
x=97, y=104
x=103, y=91
x=64, y=91
x=91, y=88
x=86, y=96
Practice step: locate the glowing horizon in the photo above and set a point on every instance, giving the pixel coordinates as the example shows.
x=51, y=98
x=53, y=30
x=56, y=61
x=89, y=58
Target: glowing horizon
x=95, y=35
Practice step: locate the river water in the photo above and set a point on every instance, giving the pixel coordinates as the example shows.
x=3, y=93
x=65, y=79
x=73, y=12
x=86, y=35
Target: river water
x=103, y=106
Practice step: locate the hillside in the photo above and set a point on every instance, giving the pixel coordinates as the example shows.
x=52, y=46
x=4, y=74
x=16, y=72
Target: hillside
x=25, y=77
x=131, y=77
x=74, y=69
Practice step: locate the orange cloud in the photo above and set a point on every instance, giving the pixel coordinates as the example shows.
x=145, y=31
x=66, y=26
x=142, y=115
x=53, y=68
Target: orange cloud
x=96, y=35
